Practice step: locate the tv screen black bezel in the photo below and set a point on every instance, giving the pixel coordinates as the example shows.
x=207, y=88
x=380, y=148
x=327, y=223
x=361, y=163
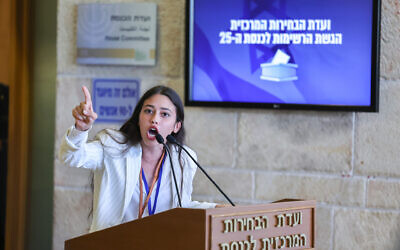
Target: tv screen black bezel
x=375, y=64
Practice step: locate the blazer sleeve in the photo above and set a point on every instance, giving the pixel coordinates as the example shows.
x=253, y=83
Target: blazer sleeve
x=75, y=151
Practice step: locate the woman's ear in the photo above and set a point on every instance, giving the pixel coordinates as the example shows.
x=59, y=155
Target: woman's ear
x=177, y=127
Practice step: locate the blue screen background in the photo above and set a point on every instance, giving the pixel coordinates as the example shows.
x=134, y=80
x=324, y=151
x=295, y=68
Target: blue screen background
x=328, y=74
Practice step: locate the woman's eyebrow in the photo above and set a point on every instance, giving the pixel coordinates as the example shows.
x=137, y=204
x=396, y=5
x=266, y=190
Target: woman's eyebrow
x=162, y=108
x=166, y=109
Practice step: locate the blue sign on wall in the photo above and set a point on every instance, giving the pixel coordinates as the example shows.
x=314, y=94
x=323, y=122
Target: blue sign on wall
x=115, y=99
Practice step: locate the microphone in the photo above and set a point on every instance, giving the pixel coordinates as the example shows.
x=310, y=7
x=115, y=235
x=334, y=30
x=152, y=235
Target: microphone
x=172, y=139
x=160, y=140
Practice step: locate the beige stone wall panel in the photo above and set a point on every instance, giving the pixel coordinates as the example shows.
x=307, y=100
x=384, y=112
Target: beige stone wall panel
x=390, y=39
x=323, y=228
x=210, y=132
x=383, y=194
x=71, y=215
x=367, y=230
x=330, y=190
x=377, y=136
x=177, y=84
x=65, y=176
x=234, y=184
x=171, y=32
x=296, y=141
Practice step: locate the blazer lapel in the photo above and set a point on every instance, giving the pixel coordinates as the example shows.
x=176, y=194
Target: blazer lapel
x=133, y=164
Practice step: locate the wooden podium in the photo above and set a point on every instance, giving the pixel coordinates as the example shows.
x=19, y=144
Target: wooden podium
x=283, y=224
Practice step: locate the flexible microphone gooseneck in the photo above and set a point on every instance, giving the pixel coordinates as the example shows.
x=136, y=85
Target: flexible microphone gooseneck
x=160, y=140
x=172, y=139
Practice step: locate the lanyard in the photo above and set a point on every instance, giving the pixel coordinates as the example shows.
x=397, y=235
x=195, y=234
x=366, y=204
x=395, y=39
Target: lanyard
x=151, y=211
x=158, y=176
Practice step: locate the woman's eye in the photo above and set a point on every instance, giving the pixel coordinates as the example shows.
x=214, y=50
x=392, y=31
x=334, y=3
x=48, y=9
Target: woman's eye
x=148, y=111
x=165, y=114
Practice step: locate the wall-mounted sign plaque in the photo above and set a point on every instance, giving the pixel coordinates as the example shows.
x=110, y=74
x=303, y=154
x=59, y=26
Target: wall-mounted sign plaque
x=123, y=33
x=115, y=99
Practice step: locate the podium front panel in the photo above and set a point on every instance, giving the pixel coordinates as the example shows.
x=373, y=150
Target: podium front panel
x=257, y=227
x=274, y=226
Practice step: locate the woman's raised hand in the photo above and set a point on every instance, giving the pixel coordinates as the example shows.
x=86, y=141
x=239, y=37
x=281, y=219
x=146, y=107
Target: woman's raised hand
x=83, y=113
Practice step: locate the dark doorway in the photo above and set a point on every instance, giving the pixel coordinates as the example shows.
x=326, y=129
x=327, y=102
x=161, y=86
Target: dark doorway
x=3, y=159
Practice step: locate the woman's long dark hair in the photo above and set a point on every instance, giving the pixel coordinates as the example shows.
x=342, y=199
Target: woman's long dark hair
x=131, y=127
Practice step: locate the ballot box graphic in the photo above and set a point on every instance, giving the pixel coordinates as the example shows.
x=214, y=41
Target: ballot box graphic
x=279, y=69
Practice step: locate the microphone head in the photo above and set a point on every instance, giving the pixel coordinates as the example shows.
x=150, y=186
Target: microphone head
x=159, y=139
x=171, y=139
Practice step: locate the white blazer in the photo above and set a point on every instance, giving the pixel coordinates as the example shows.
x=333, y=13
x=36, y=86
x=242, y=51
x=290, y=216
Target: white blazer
x=116, y=169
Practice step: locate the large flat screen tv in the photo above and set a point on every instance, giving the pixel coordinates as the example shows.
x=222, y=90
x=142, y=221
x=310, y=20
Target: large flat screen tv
x=283, y=54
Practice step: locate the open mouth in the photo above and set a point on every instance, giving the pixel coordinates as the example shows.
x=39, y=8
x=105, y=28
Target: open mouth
x=151, y=134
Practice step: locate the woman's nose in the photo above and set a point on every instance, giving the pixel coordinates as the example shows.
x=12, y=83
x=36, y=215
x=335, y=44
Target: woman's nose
x=154, y=119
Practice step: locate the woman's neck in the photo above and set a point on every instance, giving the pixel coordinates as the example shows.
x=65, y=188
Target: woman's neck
x=150, y=158
x=151, y=154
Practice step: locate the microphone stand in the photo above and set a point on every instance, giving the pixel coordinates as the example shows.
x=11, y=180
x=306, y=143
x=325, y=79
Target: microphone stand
x=161, y=141
x=172, y=139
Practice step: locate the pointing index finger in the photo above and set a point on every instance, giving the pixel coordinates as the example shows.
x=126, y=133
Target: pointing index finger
x=88, y=98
